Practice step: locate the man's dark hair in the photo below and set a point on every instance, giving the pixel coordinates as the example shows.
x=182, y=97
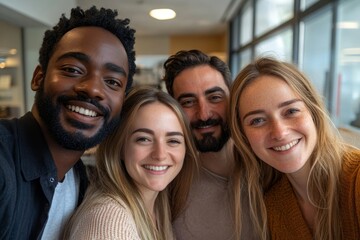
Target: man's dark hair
x=104, y=18
x=182, y=60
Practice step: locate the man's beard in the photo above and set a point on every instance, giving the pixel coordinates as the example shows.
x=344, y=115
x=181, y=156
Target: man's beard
x=209, y=143
x=50, y=114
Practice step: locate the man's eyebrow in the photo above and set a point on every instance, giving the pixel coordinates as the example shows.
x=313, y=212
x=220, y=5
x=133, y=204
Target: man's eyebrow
x=214, y=89
x=85, y=58
x=186, y=95
x=78, y=55
x=115, y=68
x=207, y=92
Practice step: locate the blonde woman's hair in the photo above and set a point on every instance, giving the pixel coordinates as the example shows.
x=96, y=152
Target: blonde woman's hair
x=112, y=180
x=323, y=181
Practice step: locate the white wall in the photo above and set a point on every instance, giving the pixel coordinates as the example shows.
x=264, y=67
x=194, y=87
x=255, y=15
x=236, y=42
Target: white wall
x=46, y=12
x=150, y=45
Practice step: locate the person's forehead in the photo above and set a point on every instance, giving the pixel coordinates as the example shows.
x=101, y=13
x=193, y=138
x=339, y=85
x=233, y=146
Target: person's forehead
x=94, y=41
x=198, y=79
x=89, y=36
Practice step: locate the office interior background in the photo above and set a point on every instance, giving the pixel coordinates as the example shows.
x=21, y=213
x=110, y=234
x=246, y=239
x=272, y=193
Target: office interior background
x=320, y=36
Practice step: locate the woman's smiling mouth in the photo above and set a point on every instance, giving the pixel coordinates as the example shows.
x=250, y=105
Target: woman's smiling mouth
x=287, y=146
x=156, y=168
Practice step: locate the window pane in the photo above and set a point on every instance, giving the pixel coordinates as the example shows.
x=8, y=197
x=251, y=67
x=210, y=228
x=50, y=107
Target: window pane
x=235, y=33
x=246, y=24
x=348, y=64
x=307, y=3
x=234, y=65
x=245, y=57
x=272, y=13
x=315, y=51
x=278, y=46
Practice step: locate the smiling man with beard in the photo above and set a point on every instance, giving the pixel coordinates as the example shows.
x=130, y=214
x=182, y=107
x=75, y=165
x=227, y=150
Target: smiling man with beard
x=50, y=114
x=201, y=85
x=86, y=64
x=208, y=142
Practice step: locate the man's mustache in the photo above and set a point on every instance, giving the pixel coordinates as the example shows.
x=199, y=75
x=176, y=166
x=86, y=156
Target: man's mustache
x=209, y=122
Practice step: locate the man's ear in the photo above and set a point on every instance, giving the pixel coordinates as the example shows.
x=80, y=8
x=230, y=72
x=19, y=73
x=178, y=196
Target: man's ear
x=38, y=77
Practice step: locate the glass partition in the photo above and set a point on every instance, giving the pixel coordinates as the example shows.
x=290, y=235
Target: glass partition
x=246, y=24
x=307, y=3
x=347, y=100
x=272, y=13
x=315, y=49
x=279, y=46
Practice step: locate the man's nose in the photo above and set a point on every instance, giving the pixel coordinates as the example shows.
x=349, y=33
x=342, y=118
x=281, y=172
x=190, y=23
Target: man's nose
x=92, y=86
x=204, y=111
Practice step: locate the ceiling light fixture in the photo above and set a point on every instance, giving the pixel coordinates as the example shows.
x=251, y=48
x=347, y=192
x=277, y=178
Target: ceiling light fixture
x=163, y=13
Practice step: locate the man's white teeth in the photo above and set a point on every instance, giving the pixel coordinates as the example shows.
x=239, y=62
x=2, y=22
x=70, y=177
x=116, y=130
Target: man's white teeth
x=156, y=168
x=287, y=146
x=207, y=126
x=82, y=111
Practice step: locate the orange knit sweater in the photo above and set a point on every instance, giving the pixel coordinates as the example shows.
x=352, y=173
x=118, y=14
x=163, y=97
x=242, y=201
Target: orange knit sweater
x=284, y=215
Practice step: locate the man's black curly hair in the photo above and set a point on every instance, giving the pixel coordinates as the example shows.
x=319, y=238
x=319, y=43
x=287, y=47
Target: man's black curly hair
x=104, y=18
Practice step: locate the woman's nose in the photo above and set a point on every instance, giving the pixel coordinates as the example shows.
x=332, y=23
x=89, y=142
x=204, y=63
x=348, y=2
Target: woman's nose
x=159, y=152
x=278, y=130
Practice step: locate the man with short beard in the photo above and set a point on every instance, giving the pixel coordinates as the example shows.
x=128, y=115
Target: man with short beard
x=201, y=84
x=86, y=64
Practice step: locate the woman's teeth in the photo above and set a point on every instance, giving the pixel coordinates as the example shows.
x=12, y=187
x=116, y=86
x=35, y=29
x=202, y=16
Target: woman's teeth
x=287, y=146
x=156, y=168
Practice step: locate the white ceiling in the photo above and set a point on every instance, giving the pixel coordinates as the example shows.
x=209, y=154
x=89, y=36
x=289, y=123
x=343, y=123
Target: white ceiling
x=193, y=16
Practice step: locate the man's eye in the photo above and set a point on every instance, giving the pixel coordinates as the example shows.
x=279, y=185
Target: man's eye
x=71, y=70
x=114, y=82
x=216, y=98
x=187, y=103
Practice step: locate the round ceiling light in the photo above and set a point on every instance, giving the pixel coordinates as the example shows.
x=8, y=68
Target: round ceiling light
x=163, y=13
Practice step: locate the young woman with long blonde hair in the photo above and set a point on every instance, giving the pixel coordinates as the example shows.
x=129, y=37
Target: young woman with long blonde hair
x=302, y=180
x=130, y=197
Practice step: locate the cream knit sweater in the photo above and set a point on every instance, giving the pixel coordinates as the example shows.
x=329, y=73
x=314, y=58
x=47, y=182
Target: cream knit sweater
x=106, y=221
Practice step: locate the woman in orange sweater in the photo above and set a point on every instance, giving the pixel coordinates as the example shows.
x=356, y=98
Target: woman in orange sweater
x=303, y=181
